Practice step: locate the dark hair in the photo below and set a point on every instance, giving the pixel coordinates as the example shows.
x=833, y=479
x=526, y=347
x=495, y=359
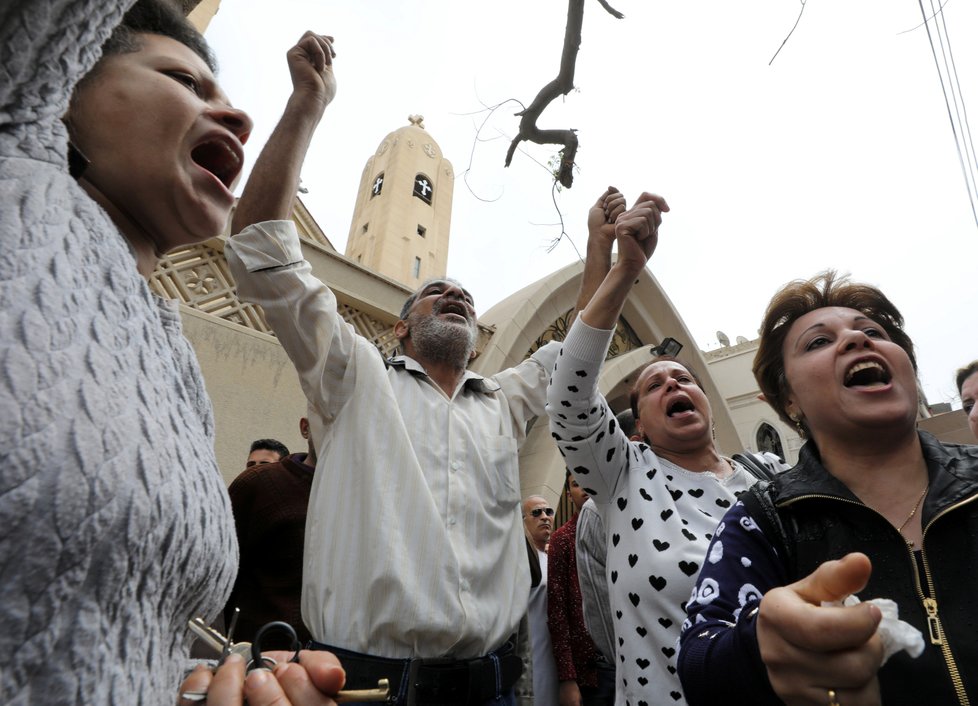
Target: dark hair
x=270, y=445
x=800, y=297
x=965, y=373
x=154, y=17
x=634, y=394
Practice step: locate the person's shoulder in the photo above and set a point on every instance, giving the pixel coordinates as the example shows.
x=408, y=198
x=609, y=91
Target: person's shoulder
x=590, y=516
x=296, y=463
x=937, y=447
x=563, y=536
x=739, y=509
x=255, y=475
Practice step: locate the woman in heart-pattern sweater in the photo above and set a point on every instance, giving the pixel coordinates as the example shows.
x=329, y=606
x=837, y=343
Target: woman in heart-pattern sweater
x=661, y=496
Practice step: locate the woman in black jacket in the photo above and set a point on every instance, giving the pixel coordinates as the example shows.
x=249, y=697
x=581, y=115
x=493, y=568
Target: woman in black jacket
x=874, y=508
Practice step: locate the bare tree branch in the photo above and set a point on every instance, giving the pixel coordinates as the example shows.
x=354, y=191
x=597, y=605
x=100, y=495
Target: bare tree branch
x=797, y=20
x=560, y=86
x=611, y=11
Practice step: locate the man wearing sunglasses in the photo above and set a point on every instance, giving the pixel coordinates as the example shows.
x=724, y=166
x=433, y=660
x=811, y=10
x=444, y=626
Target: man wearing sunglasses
x=538, y=519
x=538, y=522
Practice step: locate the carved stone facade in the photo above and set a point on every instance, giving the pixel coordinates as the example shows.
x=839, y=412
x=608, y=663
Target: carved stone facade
x=378, y=333
x=624, y=340
x=198, y=276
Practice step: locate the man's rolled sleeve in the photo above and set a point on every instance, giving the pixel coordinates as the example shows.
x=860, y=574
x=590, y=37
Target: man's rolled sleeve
x=269, y=270
x=525, y=385
x=262, y=246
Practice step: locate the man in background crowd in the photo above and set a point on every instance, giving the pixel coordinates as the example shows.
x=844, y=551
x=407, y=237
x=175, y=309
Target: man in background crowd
x=269, y=501
x=591, y=550
x=266, y=451
x=538, y=520
x=577, y=658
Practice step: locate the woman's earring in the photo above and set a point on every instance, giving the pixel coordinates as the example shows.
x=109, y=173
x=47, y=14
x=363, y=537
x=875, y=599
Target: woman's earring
x=798, y=426
x=714, y=431
x=77, y=161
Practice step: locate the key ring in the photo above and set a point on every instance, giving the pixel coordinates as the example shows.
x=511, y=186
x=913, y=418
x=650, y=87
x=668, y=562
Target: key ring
x=258, y=661
x=223, y=644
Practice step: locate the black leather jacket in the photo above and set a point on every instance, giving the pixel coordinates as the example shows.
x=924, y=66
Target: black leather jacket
x=937, y=592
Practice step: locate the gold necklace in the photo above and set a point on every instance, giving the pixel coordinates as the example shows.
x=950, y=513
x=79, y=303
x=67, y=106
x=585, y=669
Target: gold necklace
x=913, y=512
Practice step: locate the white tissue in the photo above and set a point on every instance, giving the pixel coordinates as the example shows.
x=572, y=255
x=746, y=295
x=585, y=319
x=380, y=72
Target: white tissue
x=894, y=633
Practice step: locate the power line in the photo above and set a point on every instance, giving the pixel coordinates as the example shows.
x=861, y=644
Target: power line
x=959, y=127
x=966, y=132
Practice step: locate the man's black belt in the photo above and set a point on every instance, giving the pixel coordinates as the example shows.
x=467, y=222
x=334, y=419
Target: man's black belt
x=433, y=681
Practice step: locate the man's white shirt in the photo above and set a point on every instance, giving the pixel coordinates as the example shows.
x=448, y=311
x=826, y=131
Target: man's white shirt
x=414, y=543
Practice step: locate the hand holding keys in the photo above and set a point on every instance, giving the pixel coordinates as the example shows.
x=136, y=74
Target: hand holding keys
x=251, y=652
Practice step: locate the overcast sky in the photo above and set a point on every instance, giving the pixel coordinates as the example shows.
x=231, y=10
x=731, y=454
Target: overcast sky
x=840, y=154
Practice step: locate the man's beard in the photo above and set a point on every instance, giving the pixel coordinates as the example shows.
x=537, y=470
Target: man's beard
x=440, y=341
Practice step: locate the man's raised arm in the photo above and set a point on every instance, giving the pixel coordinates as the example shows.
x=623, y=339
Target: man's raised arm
x=270, y=191
x=264, y=252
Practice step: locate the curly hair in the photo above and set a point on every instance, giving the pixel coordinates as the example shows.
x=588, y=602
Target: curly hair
x=798, y=298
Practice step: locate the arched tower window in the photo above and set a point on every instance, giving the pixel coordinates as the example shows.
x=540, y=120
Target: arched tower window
x=423, y=188
x=768, y=439
x=377, y=186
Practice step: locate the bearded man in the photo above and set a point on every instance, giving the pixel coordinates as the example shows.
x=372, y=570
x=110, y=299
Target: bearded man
x=414, y=547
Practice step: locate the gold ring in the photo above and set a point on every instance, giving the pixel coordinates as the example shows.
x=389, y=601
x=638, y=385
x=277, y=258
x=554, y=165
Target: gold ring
x=833, y=699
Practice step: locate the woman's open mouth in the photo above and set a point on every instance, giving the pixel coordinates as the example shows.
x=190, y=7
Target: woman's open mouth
x=221, y=156
x=867, y=373
x=679, y=406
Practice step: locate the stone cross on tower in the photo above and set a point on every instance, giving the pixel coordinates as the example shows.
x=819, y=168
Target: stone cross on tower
x=416, y=120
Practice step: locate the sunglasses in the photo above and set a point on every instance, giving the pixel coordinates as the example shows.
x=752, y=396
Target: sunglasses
x=537, y=511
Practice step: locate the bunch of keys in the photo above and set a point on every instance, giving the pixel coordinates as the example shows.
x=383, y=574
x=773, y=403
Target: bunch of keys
x=251, y=652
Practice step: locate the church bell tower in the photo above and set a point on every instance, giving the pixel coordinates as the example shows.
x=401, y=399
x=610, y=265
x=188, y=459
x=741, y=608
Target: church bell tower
x=403, y=211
